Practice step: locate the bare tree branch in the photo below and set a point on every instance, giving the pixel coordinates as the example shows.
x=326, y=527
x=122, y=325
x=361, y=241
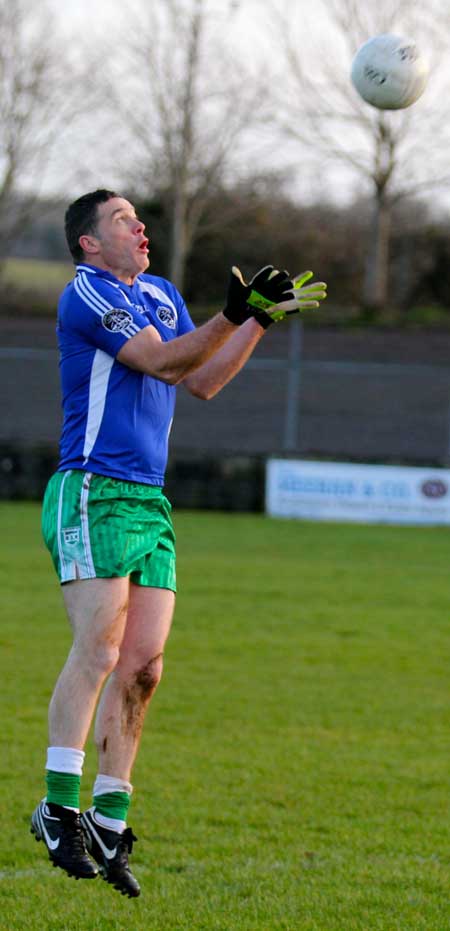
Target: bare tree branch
x=37, y=100
x=326, y=116
x=193, y=108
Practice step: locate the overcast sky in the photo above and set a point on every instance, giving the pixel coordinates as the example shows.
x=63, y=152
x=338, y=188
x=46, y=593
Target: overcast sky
x=246, y=24
x=243, y=23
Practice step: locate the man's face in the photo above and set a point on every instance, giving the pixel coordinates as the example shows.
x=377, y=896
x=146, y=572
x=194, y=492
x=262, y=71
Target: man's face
x=119, y=244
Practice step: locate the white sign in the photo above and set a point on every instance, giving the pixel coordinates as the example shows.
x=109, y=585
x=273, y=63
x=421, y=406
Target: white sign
x=363, y=493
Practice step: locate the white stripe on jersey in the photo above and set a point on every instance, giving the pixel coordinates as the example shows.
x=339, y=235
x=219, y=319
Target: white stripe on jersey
x=98, y=303
x=126, y=297
x=86, y=268
x=98, y=386
x=132, y=330
x=90, y=295
x=158, y=293
x=94, y=271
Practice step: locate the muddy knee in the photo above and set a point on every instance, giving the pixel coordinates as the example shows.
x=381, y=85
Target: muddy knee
x=142, y=682
x=138, y=690
x=148, y=676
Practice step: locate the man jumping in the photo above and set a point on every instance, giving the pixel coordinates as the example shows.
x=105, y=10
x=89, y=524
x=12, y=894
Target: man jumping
x=126, y=340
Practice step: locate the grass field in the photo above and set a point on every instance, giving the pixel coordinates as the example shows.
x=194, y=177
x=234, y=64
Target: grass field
x=37, y=273
x=38, y=283
x=294, y=770
x=35, y=284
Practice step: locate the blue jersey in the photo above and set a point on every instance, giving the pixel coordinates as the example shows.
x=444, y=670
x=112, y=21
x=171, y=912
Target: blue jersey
x=116, y=420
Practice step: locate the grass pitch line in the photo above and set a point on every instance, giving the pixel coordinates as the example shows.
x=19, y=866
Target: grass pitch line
x=23, y=874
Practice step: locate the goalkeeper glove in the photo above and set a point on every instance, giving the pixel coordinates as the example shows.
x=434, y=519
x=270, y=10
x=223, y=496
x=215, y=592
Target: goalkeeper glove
x=301, y=298
x=267, y=289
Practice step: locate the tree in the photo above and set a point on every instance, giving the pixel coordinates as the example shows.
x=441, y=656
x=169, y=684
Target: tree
x=392, y=155
x=192, y=109
x=35, y=102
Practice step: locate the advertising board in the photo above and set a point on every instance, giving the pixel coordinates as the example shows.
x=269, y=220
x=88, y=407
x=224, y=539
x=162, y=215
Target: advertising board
x=352, y=492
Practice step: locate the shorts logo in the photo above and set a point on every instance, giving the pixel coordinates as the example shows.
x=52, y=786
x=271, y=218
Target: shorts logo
x=167, y=316
x=116, y=320
x=71, y=535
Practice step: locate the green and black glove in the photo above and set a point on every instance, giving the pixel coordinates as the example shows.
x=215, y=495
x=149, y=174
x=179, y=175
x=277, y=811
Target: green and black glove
x=267, y=289
x=271, y=295
x=302, y=297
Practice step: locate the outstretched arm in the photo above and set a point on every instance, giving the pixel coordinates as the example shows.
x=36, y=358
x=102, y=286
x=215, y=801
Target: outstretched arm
x=202, y=358
x=175, y=360
x=226, y=363
x=172, y=361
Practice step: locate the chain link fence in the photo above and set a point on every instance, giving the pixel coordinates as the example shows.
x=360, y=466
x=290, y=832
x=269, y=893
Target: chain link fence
x=284, y=405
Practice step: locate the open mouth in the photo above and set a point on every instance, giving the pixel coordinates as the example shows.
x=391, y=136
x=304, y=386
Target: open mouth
x=143, y=247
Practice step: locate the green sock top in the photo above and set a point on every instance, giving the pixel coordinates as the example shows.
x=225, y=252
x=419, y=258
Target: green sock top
x=63, y=789
x=113, y=805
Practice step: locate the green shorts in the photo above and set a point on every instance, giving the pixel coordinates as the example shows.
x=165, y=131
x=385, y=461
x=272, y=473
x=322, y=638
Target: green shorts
x=99, y=527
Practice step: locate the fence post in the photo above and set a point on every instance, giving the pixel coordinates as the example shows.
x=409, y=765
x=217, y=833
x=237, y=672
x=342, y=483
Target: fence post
x=292, y=411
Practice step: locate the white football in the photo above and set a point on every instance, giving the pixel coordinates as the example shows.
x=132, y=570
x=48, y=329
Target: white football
x=389, y=72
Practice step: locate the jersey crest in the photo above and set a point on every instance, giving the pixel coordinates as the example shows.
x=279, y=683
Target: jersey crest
x=167, y=316
x=116, y=320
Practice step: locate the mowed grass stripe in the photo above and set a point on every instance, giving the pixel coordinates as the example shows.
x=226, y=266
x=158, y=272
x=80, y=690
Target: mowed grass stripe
x=294, y=768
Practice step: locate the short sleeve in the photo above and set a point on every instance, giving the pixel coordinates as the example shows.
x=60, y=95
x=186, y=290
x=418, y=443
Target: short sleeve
x=100, y=313
x=185, y=322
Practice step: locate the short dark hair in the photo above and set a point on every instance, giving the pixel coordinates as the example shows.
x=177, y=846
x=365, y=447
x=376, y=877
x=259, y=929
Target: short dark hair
x=81, y=218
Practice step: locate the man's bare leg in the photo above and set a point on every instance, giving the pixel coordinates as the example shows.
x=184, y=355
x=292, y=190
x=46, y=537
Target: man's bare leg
x=126, y=696
x=118, y=729
x=97, y=611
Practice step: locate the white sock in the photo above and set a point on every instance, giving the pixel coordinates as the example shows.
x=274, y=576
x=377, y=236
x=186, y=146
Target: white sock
x=104, y=784
x=65, y=760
